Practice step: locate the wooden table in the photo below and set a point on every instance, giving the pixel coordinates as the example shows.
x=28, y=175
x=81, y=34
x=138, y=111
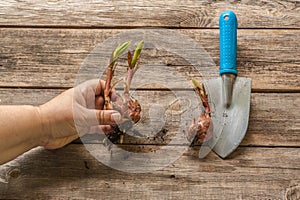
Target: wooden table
x=41, y=49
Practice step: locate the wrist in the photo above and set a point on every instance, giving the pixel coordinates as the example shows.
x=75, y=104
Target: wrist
x=45, y=126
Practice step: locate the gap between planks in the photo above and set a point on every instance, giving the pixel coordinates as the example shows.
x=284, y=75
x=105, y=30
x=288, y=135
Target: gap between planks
x=78, y=142
x=133, y=27
x=253, y=91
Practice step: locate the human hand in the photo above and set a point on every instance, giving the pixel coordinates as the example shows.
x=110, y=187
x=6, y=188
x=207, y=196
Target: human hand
x=76, y=112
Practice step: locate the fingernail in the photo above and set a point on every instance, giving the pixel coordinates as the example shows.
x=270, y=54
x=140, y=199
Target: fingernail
x=116, y=117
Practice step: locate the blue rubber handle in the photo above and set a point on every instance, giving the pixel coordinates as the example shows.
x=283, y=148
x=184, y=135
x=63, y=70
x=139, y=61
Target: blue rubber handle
x=228, y=42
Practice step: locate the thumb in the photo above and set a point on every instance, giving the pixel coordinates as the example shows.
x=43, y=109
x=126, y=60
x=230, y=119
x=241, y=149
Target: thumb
x=108, y=117
x=85, y=118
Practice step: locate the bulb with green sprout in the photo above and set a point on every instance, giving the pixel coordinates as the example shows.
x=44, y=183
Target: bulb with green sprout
x=127, y=105
x=200, y=130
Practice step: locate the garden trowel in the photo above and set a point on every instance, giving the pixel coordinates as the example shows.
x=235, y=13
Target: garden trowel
x=229, y=95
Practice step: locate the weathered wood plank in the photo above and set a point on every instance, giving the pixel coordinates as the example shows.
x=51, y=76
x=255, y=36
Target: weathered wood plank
x=274, y=118
x=125, y=13
x=71, y=172
x=52, y=57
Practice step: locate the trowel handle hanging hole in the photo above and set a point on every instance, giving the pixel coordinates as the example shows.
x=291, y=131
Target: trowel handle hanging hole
x=226, y=17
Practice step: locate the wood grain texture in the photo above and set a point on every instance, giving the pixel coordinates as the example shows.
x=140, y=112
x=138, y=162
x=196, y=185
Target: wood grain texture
x=52, y=57
x=274, y=118
x=72, y=172
x=162, y=13
x=44, y=43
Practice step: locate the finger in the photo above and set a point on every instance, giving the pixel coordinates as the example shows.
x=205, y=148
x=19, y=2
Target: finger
x=99, y=103
x=106, y=128
x=100, y=129
x=90, y=98
x=84, y=93
x=85, y=118
x=99, y=90
x=98, y=87
x=113, y=95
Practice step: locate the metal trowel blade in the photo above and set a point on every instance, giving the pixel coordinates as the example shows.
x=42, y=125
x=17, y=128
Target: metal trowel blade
x=237, y=117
